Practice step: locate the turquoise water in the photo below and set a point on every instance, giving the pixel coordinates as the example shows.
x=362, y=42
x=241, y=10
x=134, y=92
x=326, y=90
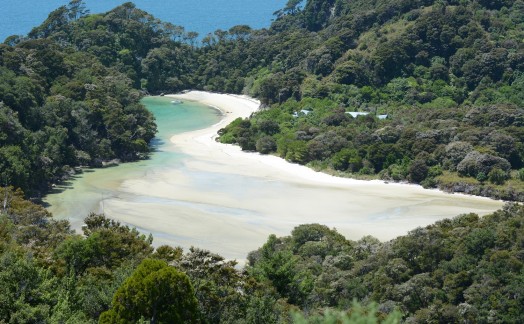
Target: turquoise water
x=202, y=16
x=74, y=199
x=229, y=204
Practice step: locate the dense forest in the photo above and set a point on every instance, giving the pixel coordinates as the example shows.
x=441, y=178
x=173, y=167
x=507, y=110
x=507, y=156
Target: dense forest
x=448, y=76
x=467, y=269
x=61, y=107
x=428, y=92
x=424, y=91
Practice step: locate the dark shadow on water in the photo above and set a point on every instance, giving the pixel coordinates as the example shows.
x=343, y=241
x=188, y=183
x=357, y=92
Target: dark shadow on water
x=42, y=203
x=156, y=142
x=60, y=188
x=155, y=145
x=63, y=185
x=111, y=165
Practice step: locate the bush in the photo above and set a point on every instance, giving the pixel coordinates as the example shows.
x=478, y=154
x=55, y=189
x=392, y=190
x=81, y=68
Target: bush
x=429, y=183
x=397, y=172
x=521, y=174
x=227, y=139
x=418, y=171
x=497, y=176
x=266, y=145
x=481, y=177
x=297, y=152
x=476, y=162
x=347, y=159
x=435, y=171
x=155, y=291
x=456, y=152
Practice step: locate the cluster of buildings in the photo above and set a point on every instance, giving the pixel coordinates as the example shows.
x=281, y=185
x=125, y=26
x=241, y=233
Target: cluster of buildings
x=354, y=114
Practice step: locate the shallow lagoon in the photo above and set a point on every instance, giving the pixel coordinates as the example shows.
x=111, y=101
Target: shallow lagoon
x=214, y=203
x=88, y=190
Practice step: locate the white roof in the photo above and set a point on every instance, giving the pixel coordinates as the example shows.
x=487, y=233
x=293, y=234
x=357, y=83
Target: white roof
x=355, y=114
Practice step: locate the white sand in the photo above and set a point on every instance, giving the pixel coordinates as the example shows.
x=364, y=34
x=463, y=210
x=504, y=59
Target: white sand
x=229, y=201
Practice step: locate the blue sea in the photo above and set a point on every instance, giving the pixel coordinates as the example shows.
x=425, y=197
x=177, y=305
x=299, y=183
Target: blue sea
x=202, y=16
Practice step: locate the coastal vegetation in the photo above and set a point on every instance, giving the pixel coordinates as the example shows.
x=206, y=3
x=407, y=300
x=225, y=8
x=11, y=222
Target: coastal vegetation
x=448, y=76
x=466, y=268
x=445, y=78
x=62, y=107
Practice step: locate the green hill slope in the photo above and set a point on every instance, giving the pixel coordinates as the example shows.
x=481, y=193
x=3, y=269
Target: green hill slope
x=446, y=74
x=449, y=76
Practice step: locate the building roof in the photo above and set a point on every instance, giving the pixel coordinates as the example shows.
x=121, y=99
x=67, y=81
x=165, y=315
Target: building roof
x=303, y=112
x=355, y=114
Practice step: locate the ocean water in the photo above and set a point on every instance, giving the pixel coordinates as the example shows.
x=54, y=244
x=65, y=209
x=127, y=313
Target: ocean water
x=202, y=16
x=206, y=204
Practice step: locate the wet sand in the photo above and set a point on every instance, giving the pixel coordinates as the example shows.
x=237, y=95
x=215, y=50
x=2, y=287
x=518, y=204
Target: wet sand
x=228, y=201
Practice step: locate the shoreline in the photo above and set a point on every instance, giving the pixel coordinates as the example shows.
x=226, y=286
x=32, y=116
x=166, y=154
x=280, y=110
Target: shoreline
x=227, y=201
x=208, y=137
x=294, y=171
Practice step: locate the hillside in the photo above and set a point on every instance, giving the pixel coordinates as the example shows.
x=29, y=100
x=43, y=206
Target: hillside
x=449, y=75
x=63, y=107
x=464, y=268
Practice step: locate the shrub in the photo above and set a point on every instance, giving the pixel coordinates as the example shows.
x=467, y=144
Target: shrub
x=476, y=162
x=497, y=176
x=418, y=171
x=266, y=144
x=456, y=152
x=521, y=174
x=156, y=292
x=481, y=177
x=435, y=171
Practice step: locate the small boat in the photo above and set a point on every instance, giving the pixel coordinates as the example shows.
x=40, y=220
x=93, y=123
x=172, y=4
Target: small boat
x=177, y=102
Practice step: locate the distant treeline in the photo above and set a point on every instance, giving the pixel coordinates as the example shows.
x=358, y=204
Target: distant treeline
x=449, y=75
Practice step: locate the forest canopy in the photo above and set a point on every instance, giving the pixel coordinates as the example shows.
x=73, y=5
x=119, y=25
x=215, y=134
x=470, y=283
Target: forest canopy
x=425, y=91
x=462, y=268
x=447, y=77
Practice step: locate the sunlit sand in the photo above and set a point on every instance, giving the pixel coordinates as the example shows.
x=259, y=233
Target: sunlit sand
x=229, y=201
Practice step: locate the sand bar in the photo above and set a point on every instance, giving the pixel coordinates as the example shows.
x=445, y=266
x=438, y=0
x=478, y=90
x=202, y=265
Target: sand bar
x=229, y=201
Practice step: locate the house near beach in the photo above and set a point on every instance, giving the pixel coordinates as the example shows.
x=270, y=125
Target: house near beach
x=301, y=113
x=355, y=114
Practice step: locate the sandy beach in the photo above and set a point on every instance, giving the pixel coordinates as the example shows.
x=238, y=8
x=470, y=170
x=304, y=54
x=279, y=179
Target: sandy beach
x=229, y=201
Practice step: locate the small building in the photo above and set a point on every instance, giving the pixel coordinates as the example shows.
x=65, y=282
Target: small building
x=355, y=114
x=301, y=113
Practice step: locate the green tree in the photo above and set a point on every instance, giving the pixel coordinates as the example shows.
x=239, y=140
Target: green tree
x=521, y=174
x=358, y=314
x=219, y=287
x=418, y=171
x=497, y=176
x=266, y=145
x=155, y=292
x=24, y=289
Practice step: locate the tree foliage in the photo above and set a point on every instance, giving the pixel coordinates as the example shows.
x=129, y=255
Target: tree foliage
x=449, y=75
x=440, y=272
x=154, y=292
